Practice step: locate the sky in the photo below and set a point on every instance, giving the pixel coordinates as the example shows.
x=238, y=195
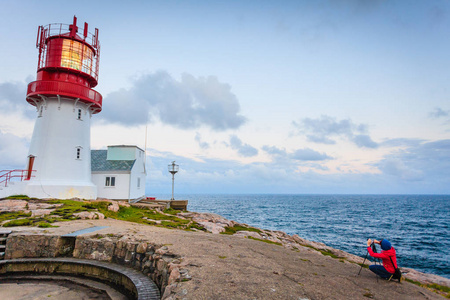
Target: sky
x=291, y=97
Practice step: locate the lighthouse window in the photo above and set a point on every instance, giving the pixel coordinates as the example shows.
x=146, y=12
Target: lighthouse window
x=79, y=114
x=76, y=56
x=78, y=153
x=110, y=181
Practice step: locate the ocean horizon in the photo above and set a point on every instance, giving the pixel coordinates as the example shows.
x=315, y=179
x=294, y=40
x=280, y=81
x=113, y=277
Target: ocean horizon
x=416, y=225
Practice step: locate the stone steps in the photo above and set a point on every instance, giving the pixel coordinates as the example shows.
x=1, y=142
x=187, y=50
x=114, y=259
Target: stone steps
x=3, y=239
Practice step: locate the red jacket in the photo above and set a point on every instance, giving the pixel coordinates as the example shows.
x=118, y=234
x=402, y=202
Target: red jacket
x=384, y=255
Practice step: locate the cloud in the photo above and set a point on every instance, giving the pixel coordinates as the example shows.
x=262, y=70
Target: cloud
x=198, y=139
x=309, y=155
x=427, y=161
x=420, y=169
x=301, y=157
x=274, y=151
x=13, y=151
x=186, y=104
x=325, y=130
x=243, y=149
x=439, y=113
x=401, y=142
x=364, y=141
x=13, y=99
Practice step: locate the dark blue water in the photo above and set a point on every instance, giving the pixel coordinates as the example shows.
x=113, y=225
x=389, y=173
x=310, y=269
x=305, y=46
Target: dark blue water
x=416, y=225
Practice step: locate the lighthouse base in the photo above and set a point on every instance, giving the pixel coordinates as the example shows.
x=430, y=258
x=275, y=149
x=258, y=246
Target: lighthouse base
x=60, y=190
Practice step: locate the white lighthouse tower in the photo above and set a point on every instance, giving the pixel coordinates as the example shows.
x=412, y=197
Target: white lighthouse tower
x=59, y=161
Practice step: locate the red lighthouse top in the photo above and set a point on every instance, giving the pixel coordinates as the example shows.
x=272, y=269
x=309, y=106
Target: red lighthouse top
x=68, y=65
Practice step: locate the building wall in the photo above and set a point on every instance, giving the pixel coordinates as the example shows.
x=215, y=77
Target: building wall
x=128, y=186
x=61, y=147
x=123, y=152
x=119, y=191
x=138, y=175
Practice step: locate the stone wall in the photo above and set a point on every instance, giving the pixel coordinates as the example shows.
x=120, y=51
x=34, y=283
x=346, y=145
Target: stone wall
x=155, y=261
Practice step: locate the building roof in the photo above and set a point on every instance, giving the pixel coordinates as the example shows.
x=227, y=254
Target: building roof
x=100, y=163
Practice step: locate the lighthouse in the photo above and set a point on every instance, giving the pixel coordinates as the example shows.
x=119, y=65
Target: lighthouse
x=59, y=160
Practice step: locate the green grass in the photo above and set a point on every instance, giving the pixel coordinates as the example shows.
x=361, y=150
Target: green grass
x=13, y=215
x=18, y=197
x=329, y=253
x=368, y=295
x=19, y=222
x=70, y=207
x=45, y=225
x=265, y=241
x=437, y=288
x=236, y=228
x=171, y=211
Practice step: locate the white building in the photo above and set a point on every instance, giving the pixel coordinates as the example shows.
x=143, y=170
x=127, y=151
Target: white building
x=119, y=172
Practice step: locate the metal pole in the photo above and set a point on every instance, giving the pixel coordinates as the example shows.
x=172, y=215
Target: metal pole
x=173, y=182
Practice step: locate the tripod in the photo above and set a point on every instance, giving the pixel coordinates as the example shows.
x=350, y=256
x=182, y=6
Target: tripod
x=374, y=249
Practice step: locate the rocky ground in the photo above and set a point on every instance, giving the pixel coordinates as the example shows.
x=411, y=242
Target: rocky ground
x=255, y=264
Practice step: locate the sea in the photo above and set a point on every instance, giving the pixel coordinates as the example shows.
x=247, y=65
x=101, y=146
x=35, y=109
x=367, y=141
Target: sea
x=416, y=225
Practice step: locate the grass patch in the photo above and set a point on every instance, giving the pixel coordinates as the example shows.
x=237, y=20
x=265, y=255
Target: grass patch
x=265, y=241
x=222, y=257
x=18, y=197
x=13, y=215
x=137, y=215
x=232, y=230
x=19, y=222
x=196, y=226
x=437, y=288
x=329, y=253
x=70, y=207
x=45, y=225
x=171, y=211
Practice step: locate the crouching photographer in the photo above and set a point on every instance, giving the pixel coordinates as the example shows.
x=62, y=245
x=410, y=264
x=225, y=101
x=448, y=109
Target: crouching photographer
x=388, y=256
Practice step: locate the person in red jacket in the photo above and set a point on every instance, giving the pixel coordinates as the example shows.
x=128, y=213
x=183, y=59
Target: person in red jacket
x=388, y=257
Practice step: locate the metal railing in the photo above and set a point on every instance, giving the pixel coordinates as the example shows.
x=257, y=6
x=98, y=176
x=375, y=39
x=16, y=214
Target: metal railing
x=7, y=175
x=58, y=29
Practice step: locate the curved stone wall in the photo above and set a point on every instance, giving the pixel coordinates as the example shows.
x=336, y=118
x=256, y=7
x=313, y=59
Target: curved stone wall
x=132, y=282
x=155, y=262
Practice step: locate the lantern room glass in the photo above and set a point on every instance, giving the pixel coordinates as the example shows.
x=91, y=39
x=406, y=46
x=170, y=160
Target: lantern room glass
x=75, y=55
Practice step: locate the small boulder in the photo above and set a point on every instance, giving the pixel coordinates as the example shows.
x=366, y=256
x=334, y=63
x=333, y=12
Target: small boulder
x=114, y=206
x=91, y=215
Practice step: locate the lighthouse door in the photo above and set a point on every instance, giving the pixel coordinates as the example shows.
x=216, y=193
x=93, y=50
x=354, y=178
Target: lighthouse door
x=30, y=166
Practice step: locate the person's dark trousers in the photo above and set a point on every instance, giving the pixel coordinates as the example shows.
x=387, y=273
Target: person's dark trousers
x=380, y=271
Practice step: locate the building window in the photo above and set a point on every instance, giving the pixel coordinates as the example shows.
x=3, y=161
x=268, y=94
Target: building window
x=110, y=181
x=78, y=152
x=139, y=183
x=79, y=114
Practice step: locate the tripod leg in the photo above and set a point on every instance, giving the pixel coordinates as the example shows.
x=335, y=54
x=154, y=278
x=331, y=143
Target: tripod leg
x=363, y=263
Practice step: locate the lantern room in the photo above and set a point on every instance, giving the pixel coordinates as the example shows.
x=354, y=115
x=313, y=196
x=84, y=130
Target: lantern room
x=68, y=64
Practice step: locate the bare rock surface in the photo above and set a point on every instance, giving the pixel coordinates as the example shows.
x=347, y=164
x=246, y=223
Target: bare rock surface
x=246, y=265
x=13, y=205
x=221, y=266
x=91, y=215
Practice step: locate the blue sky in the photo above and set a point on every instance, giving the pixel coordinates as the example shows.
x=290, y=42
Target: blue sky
x=256, y=96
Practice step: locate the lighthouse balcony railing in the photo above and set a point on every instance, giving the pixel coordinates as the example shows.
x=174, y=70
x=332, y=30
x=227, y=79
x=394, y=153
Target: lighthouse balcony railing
x=6, y=176
x=64, y=88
